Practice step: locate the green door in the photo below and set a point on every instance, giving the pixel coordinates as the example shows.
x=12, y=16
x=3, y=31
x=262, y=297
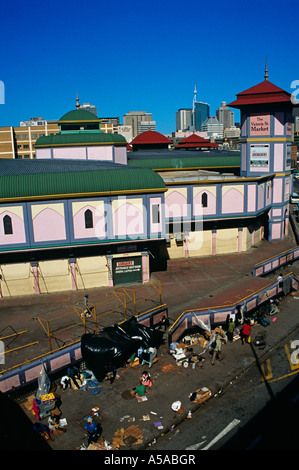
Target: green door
x=127, y=270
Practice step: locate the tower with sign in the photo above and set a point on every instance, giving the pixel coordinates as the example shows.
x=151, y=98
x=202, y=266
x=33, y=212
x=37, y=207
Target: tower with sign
x=265, y=141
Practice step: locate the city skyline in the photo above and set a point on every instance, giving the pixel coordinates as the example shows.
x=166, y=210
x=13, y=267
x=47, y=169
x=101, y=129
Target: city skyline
x=130, y=57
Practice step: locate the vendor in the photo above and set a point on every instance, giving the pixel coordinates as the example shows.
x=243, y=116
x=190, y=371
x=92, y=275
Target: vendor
x=140, y=391
x=146, y=379
x=53, y=422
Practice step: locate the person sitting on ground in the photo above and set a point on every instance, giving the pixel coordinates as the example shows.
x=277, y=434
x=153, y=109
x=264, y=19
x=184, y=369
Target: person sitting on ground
x=74, y=375
x=53, y=422
x=43, y=431
x=110, y=372
x=140, y=391
x=146, y=379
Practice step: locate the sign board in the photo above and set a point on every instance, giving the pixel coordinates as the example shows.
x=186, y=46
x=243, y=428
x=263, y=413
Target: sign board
x=260, y=124
x=259, y=155
x=127, y=270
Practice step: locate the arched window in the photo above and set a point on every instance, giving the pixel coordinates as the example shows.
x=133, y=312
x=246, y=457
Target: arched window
x=204, y=200
x=7, y=224
x=88, y=219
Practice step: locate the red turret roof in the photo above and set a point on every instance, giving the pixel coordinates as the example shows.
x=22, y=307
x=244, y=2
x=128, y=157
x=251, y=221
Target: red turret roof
x=194, y=141
x=151, y=137
x=264, y=92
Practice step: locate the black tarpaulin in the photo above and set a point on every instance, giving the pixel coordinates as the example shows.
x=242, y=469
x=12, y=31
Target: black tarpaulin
x=115, y=345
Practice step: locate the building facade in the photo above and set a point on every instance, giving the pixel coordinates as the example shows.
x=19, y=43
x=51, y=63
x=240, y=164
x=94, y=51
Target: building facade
x=213, y=127
x=200, y=113
x=225, y=116
x=19, y=142
x=183, y=119
x=132, y=118
x=85, y=213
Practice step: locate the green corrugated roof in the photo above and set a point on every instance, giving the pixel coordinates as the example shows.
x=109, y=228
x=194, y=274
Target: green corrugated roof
x=83, y=138
x=80, y=115
x=84, y=182
x=186, y=162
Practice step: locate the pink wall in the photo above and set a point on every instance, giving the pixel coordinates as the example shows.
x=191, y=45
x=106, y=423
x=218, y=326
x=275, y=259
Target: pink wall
x=277, y=190
x=278, y=157
x=251, y=198
x=155, y=227
x=268, y=193
x=176, y=205
x=48, y=225
x=232, y=202
x=261, y=195
x=100, y=153
x=43, y=153
x=127, y=220
x=120, y=155
x=279, y=123
x=276, y=231
x=210, y=209
x=18, y=235
x=70, y=152
x=98, y=229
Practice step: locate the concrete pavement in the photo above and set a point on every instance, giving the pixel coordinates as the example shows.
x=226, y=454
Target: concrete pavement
x=187, y=284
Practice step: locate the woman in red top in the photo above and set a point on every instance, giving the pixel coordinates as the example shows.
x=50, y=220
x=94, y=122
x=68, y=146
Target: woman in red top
x=245, y=332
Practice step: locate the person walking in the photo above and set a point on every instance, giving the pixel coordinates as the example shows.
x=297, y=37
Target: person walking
x=245, y=332
x=86, y=310
x=217, y=350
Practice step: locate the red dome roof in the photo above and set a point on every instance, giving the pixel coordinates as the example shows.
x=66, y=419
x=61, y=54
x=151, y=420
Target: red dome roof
x=194, y=141
x=150, y=137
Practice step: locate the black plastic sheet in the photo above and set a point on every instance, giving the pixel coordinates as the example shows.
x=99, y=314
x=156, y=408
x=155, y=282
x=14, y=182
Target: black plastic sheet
x=115, y=345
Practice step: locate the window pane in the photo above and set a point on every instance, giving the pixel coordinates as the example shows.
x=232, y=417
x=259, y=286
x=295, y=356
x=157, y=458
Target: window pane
x=88, y=219
x=7, y=225
x=155, y=213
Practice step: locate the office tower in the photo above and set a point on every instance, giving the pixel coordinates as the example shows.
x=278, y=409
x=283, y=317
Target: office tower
x=225, y=116
x=213, y=127
x=144, y=126
x=132, y=118
x=200, y=112
x=183, y=119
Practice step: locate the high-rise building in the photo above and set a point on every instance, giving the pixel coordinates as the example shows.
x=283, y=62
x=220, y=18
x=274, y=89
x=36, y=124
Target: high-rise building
x=183, y=119
x=225, y=116
x=200, y=112
x=144, y=126
x=132, y=118
x=213, y=127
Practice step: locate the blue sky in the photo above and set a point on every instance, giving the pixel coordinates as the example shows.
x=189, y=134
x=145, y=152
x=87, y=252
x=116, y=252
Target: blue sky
x=145, y=56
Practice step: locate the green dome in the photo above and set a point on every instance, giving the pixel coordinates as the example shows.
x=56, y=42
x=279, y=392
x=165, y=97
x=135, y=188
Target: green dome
x=78, y=115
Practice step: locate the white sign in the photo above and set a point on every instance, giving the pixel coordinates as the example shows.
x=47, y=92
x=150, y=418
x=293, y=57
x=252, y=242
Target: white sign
x=259, y=155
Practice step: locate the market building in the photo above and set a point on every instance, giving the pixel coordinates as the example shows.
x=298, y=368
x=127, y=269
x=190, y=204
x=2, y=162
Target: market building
x=86, y=213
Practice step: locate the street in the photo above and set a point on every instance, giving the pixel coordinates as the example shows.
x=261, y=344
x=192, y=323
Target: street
x=257, y=411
